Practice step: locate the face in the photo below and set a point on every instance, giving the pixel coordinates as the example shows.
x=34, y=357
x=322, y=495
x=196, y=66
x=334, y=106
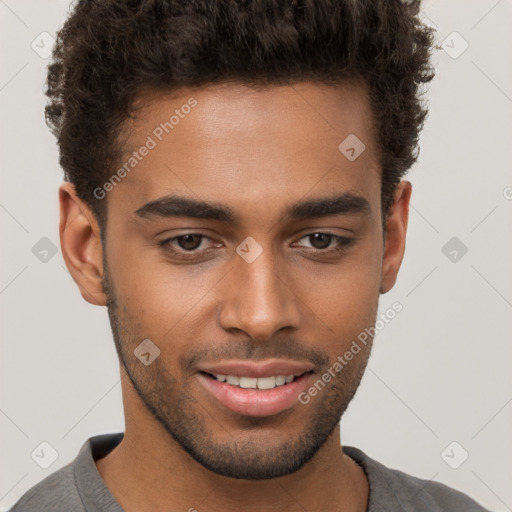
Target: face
x=244, y=242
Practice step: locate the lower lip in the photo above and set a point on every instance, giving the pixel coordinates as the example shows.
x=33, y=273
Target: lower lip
x=256, y=402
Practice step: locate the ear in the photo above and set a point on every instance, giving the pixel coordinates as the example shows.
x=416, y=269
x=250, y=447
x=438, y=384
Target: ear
x=80, y=243
x=396, y=228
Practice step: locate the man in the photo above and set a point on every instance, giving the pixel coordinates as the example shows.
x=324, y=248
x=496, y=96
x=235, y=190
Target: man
x=233, y=194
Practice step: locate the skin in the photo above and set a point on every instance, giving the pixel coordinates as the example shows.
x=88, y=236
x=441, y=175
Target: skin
x=257, y=152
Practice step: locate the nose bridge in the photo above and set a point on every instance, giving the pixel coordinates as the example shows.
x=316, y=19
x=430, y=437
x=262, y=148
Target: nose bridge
x=257, y=299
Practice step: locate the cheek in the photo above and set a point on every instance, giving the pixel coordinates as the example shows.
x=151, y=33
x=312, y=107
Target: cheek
x=347, y=306
x=345, y=297
x=162, y=299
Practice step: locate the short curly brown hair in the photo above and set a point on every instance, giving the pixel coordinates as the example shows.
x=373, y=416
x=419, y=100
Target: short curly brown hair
x=109, y=51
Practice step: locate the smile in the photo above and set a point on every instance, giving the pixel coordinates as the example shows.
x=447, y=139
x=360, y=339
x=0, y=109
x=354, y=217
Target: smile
x=254, y=382
x=255, y=396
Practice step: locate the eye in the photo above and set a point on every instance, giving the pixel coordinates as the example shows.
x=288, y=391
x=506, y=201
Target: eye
x=190, y=245
x=185, y=246
x=189, y=242
x=321, y=241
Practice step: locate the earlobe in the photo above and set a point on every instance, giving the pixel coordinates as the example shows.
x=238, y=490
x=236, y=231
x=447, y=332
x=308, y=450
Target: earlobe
x=81, y=247
x=396, y=229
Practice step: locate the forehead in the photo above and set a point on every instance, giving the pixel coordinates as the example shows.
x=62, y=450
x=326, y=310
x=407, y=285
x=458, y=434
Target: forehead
x=220, y=111
x=243, y=145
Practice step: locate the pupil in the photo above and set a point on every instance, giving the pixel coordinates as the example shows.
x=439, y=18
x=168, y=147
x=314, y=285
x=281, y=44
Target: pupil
x=318, y=237
x=189, y=243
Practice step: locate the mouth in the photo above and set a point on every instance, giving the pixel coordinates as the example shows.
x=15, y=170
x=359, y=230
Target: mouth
x=270, y=382
x=255, y=396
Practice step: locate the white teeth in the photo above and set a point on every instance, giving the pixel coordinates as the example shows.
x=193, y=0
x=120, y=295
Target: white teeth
x=280, y=380
x=248, y=382
x=253, y=382
x=266, y=383
x=231, y=379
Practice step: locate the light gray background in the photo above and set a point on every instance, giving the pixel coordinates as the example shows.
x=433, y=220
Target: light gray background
x=440, y=371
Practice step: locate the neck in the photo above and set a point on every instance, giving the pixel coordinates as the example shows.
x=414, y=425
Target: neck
x=149, y=458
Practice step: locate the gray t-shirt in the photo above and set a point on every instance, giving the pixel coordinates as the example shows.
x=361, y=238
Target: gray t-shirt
x=78, y=487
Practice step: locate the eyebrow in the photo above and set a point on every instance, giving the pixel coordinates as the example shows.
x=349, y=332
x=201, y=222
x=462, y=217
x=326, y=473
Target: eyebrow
x=179, y=206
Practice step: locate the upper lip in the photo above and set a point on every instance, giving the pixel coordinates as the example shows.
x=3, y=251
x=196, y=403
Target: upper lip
x=258, y=370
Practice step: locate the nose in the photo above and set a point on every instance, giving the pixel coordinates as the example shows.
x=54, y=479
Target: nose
x=258, y=298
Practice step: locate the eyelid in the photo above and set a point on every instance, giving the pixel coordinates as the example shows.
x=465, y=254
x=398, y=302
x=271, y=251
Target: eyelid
x=168, y=241
x=343, y=242
x=340, y=238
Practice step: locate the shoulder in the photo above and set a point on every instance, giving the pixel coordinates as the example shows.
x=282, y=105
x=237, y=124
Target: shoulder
x=76, y=487
x=57, y=492
x=392, y=489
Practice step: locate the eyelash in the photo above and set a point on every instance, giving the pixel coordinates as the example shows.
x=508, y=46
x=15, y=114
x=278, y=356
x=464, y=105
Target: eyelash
x=342, y=241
